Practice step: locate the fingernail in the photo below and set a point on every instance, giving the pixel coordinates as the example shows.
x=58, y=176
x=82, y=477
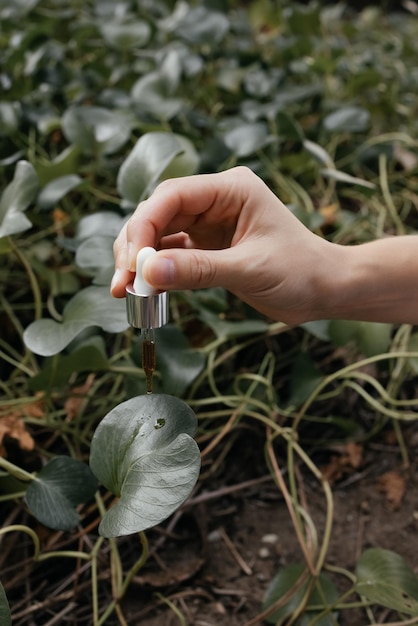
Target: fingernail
x=162, y=272
x=115, y=279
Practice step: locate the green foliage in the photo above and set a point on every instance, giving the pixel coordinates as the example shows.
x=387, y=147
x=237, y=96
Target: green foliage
x=100, y=102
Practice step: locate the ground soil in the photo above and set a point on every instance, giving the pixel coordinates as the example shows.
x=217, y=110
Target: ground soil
x=216, y=566
x=211, y=563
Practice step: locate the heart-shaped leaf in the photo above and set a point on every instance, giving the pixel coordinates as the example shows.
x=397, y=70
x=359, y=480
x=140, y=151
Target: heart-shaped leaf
x=143, y=451
x=384, y=578
x=5, y=617
x=96, y=129
x=92, y=306
x=151, y=156
x=57, y=489
x=54, y=191
x=16, y=198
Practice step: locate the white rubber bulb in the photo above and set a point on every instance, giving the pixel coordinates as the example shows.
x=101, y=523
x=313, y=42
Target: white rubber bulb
x=141, y=287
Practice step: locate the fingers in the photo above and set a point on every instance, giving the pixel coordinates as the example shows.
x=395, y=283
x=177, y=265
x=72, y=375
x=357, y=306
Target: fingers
x=177, y=204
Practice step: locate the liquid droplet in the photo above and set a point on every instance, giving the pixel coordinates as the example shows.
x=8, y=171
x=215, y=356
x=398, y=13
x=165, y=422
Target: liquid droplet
x=159, y=423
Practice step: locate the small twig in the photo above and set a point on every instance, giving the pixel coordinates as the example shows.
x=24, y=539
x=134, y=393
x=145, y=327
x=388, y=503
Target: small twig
x=58, y=616
x=223, y=491
x=230, y=545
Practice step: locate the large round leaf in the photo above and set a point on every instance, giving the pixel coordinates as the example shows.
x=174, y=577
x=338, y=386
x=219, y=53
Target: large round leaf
x=92, y=306
x=143, y=451
x=60, y=486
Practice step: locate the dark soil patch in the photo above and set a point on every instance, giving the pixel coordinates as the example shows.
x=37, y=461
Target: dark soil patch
x=228, y=549
x=214, y=559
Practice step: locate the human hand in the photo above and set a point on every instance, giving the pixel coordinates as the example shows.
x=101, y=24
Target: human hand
x=227, y=229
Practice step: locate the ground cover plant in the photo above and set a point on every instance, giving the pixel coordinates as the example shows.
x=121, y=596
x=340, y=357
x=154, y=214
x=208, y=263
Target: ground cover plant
x=300, y=430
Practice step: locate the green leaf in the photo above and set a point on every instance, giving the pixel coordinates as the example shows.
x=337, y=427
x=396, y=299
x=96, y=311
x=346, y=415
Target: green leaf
x=247, y=139
x=16, y=198
x=54, y=191
x=304, y=20
x=413, y=347
x=384, y=578
x=10, y=114
x=95, y=255
x=154, y=92
x=90, y=357
x=93, y=306
x=66, y=163
x=324, y=595
x=348, y=119
x=57, y=489
x=5, y=616
x=200, y=25
x=143, y=451
x=177, y=362
x=152, y=155
x=125, y=35
x=304, y=379
x=225, y=329
x=371, y=338
x=96, y=129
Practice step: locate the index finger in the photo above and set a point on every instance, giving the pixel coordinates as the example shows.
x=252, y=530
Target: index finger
x=177, y=204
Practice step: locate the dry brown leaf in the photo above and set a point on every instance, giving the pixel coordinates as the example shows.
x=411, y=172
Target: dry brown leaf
x=350, y=457
x=36, y=408
x=13, y=426
x=354, y=454
x=393, y=485
x=73, y=403
x=406, y=158
x=329, y=213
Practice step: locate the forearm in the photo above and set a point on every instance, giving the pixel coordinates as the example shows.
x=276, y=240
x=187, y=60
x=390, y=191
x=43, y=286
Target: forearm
x=376, y=281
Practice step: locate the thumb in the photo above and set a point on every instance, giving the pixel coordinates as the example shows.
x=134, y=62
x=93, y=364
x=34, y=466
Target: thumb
x=187, y=269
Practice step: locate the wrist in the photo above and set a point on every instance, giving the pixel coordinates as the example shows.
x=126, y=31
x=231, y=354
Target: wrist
x=372, y=281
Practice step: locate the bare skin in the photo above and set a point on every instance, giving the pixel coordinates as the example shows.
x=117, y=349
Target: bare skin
x=230, y=230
